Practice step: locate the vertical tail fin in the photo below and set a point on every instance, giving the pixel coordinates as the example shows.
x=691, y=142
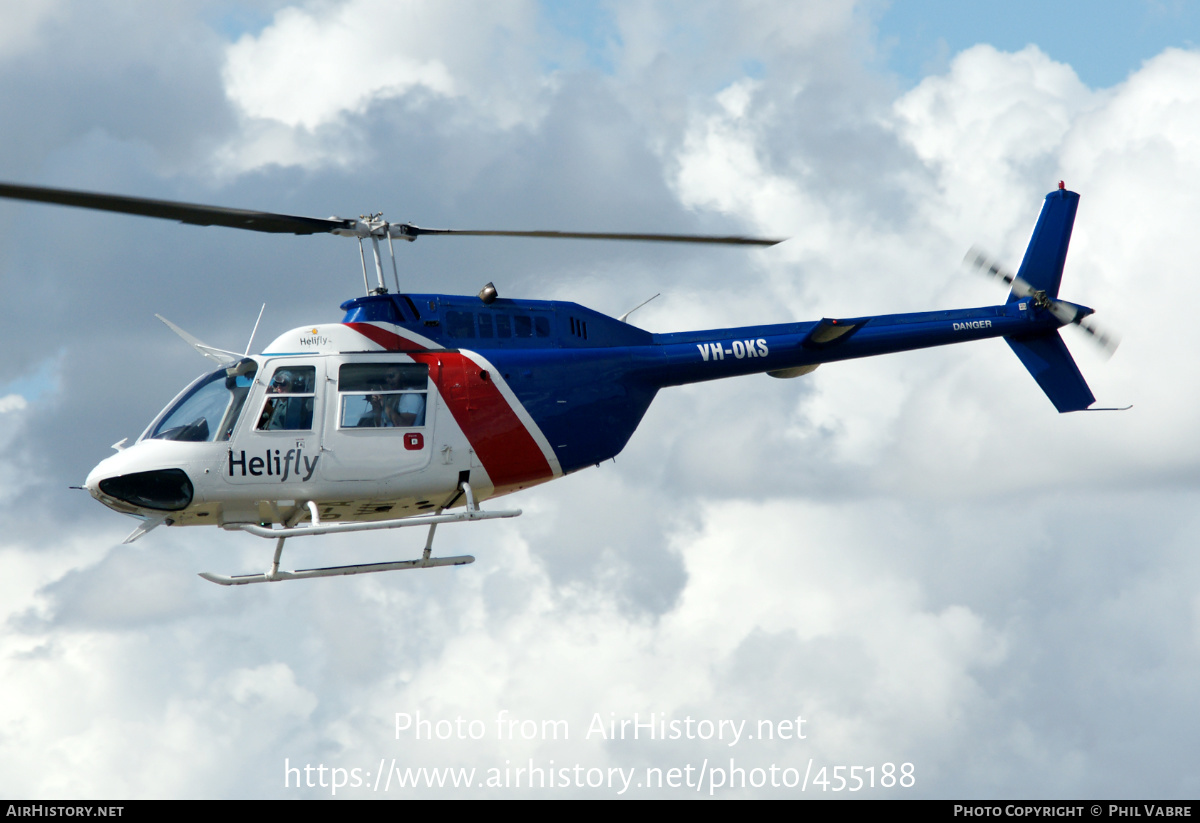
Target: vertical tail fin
x=1044, y=354
x=1042, y=267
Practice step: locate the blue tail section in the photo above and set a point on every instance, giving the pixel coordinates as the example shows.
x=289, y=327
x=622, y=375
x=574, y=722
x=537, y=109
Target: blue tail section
x=1044, y=354
x=1042, y=267
x=1047, y=358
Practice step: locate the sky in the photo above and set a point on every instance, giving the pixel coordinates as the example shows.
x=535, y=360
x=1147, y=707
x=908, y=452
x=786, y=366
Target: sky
x=908, y=569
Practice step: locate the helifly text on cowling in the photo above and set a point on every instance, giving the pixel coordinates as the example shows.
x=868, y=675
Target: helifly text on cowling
x=739, y=349
x=271, y=465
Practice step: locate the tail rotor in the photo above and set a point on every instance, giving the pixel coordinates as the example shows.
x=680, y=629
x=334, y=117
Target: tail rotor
x=1066, y=312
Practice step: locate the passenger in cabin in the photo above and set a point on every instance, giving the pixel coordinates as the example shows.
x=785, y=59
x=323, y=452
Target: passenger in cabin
x=401, y=410
x=392, y=410
x=378, y=416
x=373, y=415
x=407, y=410
x=383, y=395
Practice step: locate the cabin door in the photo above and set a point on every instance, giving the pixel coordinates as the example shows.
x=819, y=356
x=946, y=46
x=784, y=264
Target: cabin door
x=379, y=418
x=278, y=441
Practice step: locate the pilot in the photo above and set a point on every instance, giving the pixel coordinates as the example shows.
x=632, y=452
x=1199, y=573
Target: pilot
x=286, y=413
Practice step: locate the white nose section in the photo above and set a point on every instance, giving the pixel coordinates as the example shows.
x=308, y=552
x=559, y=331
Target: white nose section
x=118, y=484
x=100, y=472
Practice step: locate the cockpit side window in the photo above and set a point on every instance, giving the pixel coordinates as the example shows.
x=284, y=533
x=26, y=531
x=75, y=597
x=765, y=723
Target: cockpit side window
x=383, y=395
x=290, y=398
x=209, y=410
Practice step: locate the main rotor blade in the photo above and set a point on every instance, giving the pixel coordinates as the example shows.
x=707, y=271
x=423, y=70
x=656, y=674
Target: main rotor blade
x=192, y=213
x=412, y=232
x=202, y=215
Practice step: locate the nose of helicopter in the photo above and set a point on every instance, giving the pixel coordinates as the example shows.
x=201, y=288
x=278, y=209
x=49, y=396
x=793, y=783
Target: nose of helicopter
x=158, y=489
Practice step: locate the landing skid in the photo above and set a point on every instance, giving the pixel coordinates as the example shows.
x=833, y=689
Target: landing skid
x=274, y=575
x=337, y=571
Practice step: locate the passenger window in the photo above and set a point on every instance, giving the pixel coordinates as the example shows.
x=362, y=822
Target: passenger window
x=290, y=397
x=383, y=395
x=485, y=326
x=523, y=326
x=542, y=325
x=460, y=324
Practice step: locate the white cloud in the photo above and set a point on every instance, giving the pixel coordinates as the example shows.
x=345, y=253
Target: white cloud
x=993, y=109
x=302, y=82
x=841, y=636
x=728, y=634
x=314, y=67
x=719, y=168
x=305, y=69
x=994, y=127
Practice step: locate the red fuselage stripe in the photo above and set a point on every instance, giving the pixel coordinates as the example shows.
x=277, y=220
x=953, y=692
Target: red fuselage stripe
x=500, y=440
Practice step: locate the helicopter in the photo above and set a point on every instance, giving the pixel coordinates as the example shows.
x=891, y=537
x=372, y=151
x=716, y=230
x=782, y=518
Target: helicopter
x=416, y=408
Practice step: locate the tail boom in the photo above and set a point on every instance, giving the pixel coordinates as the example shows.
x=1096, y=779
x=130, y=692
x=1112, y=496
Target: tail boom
x=692, y=357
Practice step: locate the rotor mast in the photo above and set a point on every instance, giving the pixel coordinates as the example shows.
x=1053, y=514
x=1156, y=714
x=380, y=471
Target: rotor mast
x=374, y=225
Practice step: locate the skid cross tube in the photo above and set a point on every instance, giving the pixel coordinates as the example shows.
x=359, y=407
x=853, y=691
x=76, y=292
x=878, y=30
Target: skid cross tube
x=273, y=575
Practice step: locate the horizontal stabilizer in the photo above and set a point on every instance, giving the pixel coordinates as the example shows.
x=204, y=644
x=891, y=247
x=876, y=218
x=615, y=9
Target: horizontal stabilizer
x=828, y=332
x=1047, y=358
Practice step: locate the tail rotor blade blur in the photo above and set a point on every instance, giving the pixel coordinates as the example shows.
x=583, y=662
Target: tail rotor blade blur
x=984, y=264
x=1107, y=341
x=1067, y=313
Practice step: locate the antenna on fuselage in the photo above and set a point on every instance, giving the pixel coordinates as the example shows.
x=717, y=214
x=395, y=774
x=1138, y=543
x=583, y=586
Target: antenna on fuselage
x=253, y=331
x=625, y=317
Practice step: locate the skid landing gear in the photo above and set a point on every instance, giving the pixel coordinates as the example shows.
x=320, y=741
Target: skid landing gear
x=425, y=561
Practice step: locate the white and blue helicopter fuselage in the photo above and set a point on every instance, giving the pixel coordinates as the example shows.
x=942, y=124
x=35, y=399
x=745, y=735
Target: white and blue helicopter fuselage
x=418, y=407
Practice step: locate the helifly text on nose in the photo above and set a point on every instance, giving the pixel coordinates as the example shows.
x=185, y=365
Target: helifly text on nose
x=738, y=348
x=273, y=466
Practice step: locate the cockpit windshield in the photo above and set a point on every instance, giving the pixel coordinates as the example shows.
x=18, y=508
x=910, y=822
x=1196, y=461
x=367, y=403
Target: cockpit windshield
x=209, y=409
